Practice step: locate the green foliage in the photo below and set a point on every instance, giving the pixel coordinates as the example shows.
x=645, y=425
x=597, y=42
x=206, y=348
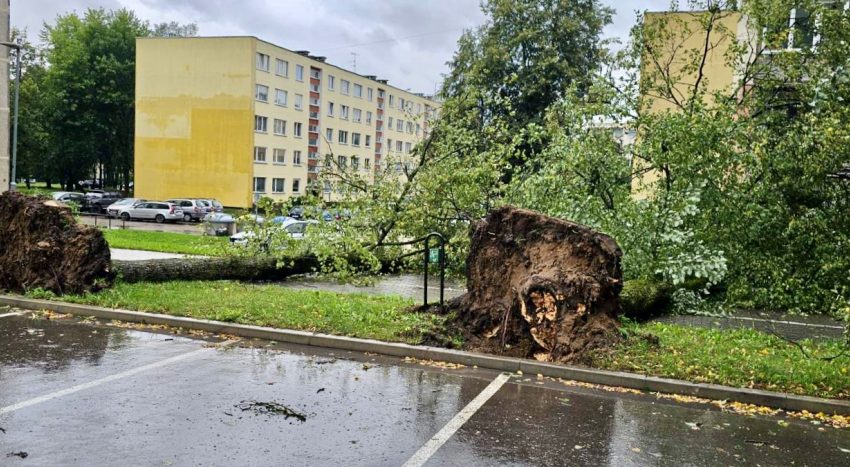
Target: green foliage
x=741, y=358
x=645, y=298
x=354, y=315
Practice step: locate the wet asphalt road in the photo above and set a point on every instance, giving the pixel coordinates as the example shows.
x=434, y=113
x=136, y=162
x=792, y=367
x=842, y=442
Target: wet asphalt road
x=75, y=393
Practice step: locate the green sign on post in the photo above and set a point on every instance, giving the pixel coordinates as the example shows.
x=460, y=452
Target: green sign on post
x=434, y=255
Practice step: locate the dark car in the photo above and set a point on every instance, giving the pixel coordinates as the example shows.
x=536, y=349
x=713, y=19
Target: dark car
x=98, y=204
x=297, y=212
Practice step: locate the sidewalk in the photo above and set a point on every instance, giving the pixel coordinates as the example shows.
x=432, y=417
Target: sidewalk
x=120, y=254
x=405, y=285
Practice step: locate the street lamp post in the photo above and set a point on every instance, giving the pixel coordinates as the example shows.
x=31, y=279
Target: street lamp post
x=17, y=47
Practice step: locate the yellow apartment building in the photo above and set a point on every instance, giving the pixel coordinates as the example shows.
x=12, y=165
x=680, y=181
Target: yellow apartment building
x=233, y=118
x=668, y=74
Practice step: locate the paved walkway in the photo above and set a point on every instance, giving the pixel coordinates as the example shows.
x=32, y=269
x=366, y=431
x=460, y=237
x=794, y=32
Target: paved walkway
x=120, y=254
x=405, y=285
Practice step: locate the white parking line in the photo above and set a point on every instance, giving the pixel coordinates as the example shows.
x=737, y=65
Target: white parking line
x=98, y=382
x=14, y=313
x=425, y=452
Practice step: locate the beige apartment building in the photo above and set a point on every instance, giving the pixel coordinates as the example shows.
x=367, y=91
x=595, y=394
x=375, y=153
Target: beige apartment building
x=235, y=118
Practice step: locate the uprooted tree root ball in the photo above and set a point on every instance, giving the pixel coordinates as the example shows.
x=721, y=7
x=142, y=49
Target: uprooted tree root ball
x=540, y=287
x=42, y=246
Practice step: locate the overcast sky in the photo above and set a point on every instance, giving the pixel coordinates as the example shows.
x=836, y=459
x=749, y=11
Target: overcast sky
x=405, y=41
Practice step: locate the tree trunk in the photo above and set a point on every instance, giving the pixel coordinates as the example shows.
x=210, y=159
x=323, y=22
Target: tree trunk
x=540, y=286
x=235, y=268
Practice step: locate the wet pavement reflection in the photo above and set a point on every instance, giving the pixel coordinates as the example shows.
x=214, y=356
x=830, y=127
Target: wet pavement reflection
x=235, y=406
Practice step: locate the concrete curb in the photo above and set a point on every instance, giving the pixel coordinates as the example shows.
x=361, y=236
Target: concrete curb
x=609, y=378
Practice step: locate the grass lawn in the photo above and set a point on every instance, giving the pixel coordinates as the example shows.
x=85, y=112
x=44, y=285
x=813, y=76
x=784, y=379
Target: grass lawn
x=741, y=358
x=354, y=315
x=38, y=188
x=167, y=242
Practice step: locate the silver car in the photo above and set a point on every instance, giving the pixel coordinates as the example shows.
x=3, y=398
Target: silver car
x=193, y=209
x=152, y=210
x=114, y=209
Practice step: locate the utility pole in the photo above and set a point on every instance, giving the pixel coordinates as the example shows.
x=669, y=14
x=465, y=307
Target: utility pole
x=5, y=176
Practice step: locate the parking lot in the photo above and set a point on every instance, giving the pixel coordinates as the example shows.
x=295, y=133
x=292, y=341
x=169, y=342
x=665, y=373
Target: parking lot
x=86, y=393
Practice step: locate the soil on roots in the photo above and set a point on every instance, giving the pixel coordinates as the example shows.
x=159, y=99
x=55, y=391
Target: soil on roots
x=539, y=287
x=42, y=246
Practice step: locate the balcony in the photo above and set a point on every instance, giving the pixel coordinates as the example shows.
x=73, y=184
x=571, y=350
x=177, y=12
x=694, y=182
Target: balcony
x=314, y=115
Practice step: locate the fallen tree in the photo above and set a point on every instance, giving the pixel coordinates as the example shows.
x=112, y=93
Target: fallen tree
x=228, y=268
x=42, y=246
x=540, y=286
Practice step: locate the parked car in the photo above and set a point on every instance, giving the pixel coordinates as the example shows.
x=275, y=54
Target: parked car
x=293, y=227
x=69, y=196
x=214, y=204
x=152, y=210
x=100, y=203
x=296, y=212
x=193, y=209
x=89, y=184
x=114, y=209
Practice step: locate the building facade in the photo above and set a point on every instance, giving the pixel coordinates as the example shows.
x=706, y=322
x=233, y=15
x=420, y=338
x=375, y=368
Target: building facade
x=234, y=118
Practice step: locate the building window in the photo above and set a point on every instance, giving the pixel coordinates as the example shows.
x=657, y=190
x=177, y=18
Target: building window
x=299, y=101
x=282, y=68
x=278, y=185
x=368, y=117
x=366, y=164
x=299, y=72
x=389, y=145
x=331, y=82
x=262, y=62
x=408, y=147
x=329, y=160
x=399, y=125
x=329, y=135
x=262, y=93
x=327, y=187
x=358, y=90
x=398, y=146
x=259, y=184
x=392, y=100
x=296, y=185
x=280, y=97
x=261, y=124
x=355, y=139
x=296, y=157
x=369, y=94
x=341, y=161
x=410, y=127
x=390, y=123
x=330, y=109
x=280, y=127
x=368, y=141
x=296, y=129
x=400, y=103
x=279, y=156
x=355, y=163
x=260, y=154
x=343, y=87
x=343, y=137
x=343, y=112
x=356, y=115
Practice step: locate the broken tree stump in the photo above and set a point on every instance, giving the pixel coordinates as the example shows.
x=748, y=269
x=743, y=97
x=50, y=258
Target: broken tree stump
x=42, y=246
x=540, y=286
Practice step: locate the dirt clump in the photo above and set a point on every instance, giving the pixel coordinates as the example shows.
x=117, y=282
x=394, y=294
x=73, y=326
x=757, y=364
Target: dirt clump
x=540, y=287
x=42, y=246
